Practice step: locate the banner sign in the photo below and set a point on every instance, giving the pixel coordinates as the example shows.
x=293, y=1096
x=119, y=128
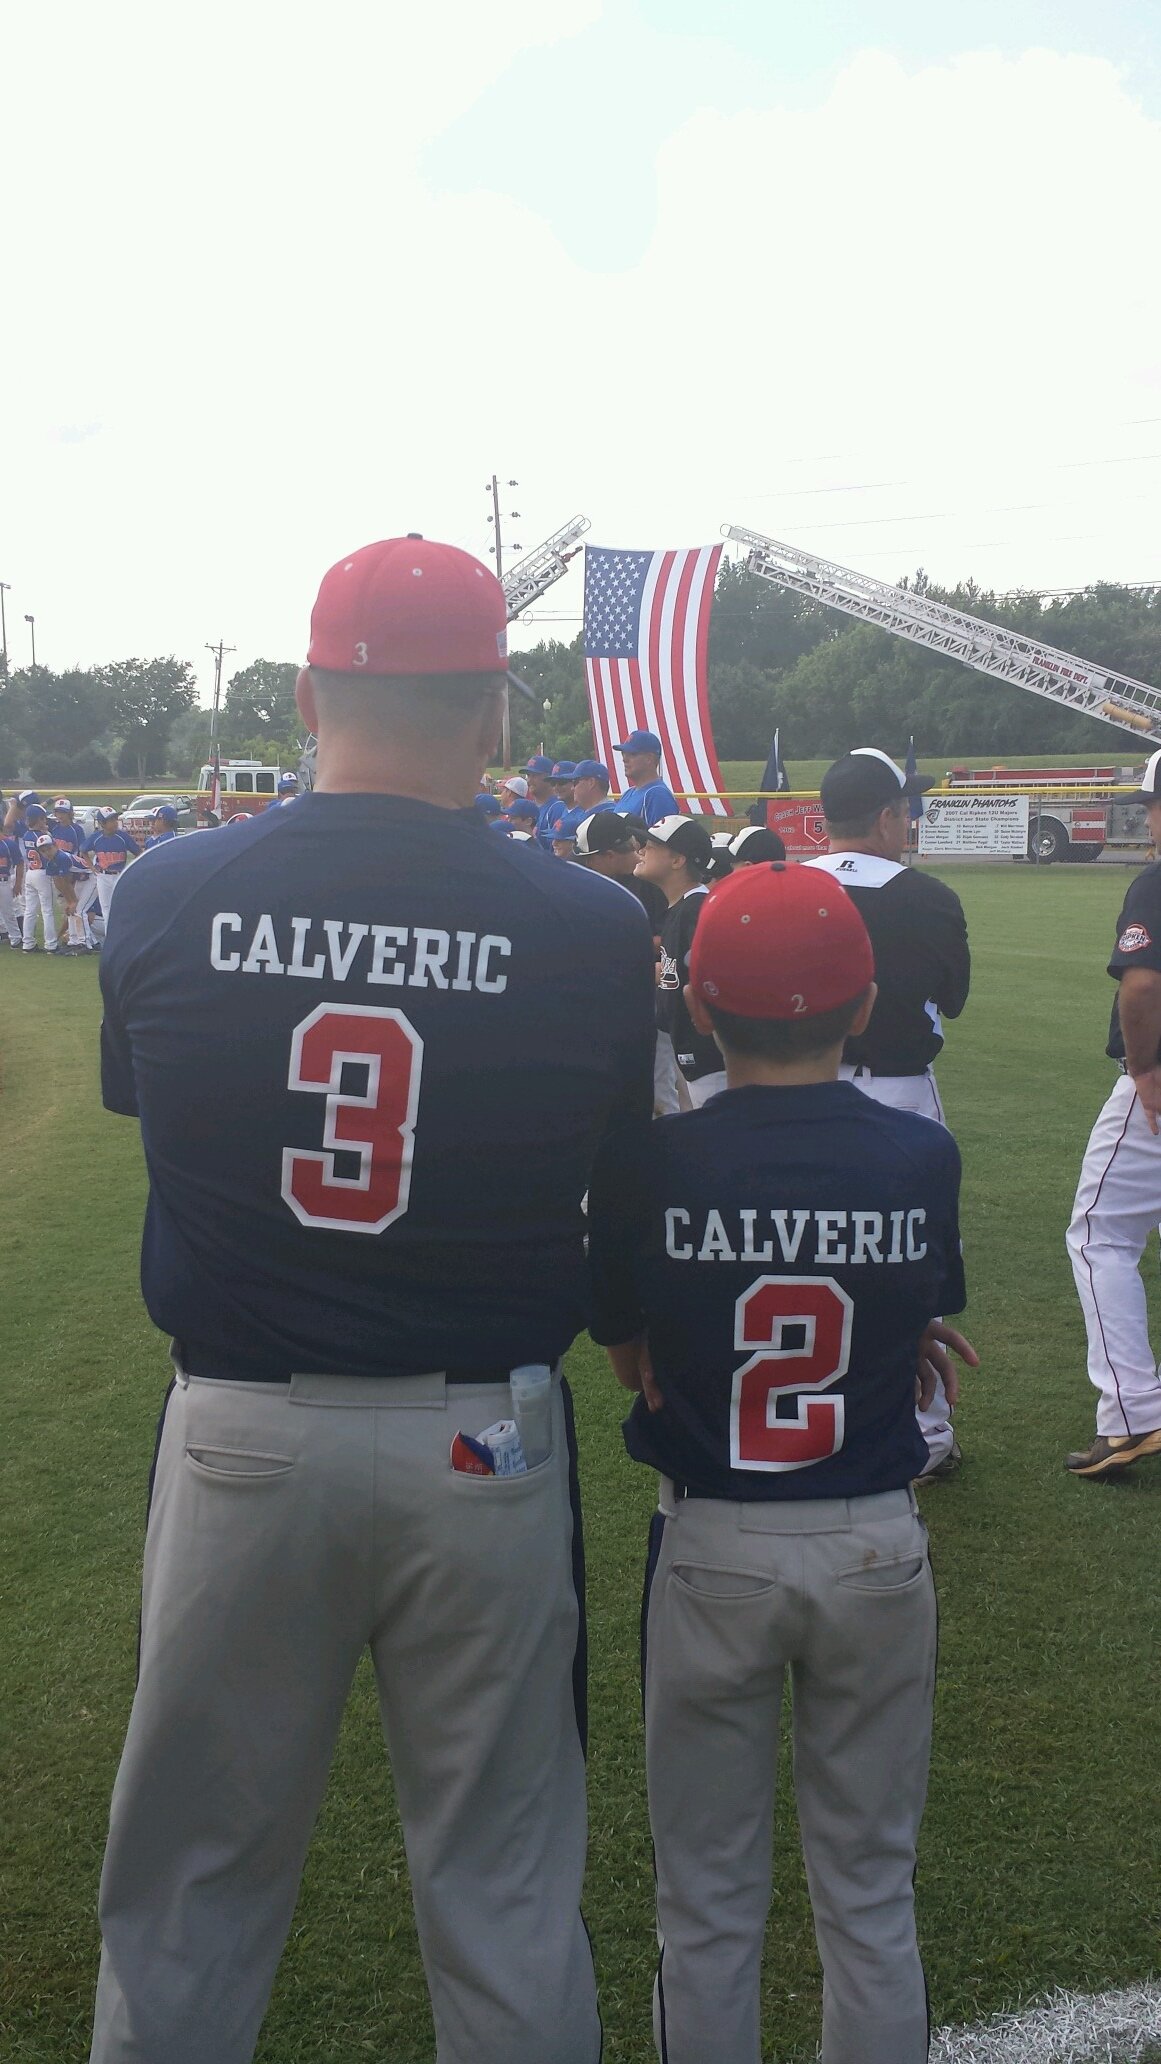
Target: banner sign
x=800, y=825
x=987, y=824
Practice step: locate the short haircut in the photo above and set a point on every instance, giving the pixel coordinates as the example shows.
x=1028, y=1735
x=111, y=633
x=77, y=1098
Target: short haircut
x=435, y=706
x=785, y=1039
x=858, y=827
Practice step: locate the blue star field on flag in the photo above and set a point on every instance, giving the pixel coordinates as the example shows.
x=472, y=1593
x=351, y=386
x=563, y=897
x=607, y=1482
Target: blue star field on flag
x=614, y=585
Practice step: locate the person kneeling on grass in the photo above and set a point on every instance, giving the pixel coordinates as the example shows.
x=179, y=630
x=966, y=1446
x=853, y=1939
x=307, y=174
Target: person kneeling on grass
x=764, y=1273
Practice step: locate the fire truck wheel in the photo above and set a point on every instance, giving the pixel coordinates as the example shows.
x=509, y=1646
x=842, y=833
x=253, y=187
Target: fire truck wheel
x=1047, y=840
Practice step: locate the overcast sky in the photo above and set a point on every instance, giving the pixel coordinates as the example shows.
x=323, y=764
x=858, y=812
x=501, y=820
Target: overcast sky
x=877, y=278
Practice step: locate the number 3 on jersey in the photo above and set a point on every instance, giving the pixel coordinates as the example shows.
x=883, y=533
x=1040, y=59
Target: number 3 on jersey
x=801, y=1326
x=370, y=1117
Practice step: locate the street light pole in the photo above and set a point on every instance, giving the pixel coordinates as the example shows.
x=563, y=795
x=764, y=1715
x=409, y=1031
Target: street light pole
x=31, y=620
x=5, y=588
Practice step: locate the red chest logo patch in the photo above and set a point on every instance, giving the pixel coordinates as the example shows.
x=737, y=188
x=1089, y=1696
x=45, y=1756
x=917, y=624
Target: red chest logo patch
x=1133, y=939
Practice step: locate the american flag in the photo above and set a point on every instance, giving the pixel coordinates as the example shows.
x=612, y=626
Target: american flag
x=646, y=633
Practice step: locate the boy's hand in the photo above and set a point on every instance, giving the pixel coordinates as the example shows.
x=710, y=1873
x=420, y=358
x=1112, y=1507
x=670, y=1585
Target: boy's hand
x=633, y=1369
x=934, y=1360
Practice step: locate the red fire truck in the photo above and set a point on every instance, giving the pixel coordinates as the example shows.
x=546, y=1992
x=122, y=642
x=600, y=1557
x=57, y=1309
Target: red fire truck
x=1074, y=813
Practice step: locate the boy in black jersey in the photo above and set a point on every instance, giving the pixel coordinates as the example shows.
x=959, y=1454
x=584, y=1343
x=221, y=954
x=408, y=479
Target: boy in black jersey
x=677, y=854
x=765, y=1272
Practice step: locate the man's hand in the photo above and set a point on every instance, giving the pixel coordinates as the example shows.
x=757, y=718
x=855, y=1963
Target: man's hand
x=633, y=1369
x=1148, y=1087
x=933, y=1360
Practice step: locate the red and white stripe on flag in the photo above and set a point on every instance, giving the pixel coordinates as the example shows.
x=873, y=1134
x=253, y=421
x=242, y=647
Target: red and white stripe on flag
x=647, y=620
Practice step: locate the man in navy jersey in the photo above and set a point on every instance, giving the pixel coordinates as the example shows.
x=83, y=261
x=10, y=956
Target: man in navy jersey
x=369, y=985
x=765, y=1272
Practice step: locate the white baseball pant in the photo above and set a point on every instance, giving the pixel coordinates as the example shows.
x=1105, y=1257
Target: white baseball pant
x=106, y=883
x=8, y=917
x=85, y=890
x=838, y=1593
x=292, y=1526
x=665, y=1096
x=38, y=902
x=918, y=1093
x=1118, y=1203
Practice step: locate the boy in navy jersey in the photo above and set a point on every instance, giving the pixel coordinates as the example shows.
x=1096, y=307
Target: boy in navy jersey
x=765, y=1273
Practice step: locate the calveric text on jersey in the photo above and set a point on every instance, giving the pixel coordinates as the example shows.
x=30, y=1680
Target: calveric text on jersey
x=379, y=955
x=853, y=1238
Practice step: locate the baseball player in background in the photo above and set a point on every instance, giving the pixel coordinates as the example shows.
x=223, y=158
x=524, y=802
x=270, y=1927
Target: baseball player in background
x=285, y=792
x=607, y=844
x=370, y=983
x=69, y=838
x=676, y=853
x=766, y=1272
x=11, y=886
x=164, y=826
x=1118, y=1197
x=38, y=850
x=108, y=851
x=647, y=795
x=922, y=968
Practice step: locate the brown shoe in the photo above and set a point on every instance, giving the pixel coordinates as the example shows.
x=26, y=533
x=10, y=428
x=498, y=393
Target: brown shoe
x=1109, y=1453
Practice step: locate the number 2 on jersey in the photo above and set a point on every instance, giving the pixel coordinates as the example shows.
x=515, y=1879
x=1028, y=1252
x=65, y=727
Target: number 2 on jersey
x=370, y=1120
x=801, y=1326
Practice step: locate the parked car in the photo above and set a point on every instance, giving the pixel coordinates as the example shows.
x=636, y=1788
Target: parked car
x=137, y=816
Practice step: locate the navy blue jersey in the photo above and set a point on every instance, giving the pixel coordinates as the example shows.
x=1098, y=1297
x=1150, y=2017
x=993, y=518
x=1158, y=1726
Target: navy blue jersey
x=69, y=838
x=162, y=838
x=323, y=1051
x=1138, y=943
x=653, y=802
x=784, y=1249
x=11, y=857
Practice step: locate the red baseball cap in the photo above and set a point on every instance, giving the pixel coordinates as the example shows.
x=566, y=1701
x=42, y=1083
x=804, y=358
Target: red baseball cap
x=779, y=942
x=410, y=606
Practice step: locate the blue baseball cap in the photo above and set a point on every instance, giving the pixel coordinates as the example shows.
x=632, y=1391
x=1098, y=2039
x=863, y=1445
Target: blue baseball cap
x=288, y=781
x=36, y=810
x=590, y=770
x=539, y=764
x=487, y=805
x=641, y=741
x=563, y=770
x=26, y=796
x=565, y=827
x=523, y=810
x=166, y=812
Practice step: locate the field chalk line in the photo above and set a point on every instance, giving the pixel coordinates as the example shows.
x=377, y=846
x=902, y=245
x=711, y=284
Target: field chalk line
x=1069, y=2028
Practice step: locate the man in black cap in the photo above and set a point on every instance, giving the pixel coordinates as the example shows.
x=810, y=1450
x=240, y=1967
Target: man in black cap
x=608, y=844
x=922, y=965
x=677, y=854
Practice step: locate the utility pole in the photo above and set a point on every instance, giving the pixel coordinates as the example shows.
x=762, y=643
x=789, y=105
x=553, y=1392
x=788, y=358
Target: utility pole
x=31, y=621
x=497, y=552
x=5, y=588
x=218, y=650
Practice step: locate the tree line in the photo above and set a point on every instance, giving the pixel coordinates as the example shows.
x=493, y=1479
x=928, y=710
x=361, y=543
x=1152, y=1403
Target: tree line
x=776, y=659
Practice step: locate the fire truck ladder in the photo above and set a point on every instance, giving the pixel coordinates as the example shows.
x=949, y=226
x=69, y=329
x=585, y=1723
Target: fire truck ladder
x=533, y=575
x=1006, y=655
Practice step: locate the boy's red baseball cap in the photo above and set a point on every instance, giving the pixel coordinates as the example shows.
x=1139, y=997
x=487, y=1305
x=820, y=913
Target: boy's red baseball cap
x=779, y=942
x=411, y=606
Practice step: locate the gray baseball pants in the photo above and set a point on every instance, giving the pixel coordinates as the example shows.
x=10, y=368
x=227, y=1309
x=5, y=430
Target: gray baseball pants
x=839, y=1593
x=291, y=1527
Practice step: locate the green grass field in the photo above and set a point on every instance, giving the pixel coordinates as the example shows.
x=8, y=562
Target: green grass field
x=1038, y=1865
